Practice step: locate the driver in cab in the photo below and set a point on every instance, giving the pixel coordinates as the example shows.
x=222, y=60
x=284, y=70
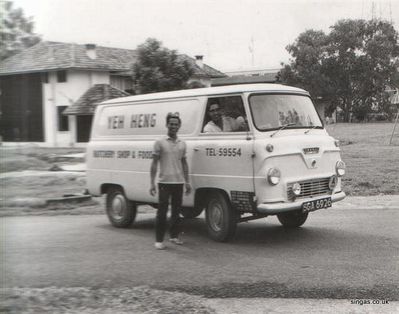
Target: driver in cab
x=223, y=123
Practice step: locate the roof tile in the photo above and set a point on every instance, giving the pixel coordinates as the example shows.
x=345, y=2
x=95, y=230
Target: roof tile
x=48, y=55
x=87, y=103
x=54, y=56
x=243, y=79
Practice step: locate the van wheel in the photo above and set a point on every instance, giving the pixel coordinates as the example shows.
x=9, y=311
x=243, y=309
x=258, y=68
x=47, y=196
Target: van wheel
x=292, y=219
x=221, y=219
x=191, y=212
x=120, y=211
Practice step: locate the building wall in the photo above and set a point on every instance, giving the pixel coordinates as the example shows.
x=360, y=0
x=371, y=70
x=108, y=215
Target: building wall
x=57, y=94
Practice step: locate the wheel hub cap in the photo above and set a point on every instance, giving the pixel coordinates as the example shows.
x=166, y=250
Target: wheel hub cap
x=118, y=207
x=216, y=217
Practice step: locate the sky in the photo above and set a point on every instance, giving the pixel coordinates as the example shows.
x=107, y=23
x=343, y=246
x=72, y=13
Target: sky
x=231, y=35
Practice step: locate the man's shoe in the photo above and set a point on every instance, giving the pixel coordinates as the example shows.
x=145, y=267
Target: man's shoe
x=176, y=241
x=160, y=246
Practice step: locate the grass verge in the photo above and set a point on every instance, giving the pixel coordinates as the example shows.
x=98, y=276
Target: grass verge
x=372, y=164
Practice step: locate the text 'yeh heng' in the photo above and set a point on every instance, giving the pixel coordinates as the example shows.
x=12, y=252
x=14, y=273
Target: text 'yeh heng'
x=145, y=120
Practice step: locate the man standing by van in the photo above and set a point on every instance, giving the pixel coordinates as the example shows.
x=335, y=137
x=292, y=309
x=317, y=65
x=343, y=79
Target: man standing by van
x=170, y=152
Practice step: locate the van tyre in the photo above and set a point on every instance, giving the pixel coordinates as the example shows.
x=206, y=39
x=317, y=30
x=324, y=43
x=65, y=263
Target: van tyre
x=191, y=212
x=221, y=218
x=121, y=212
x=292, y=219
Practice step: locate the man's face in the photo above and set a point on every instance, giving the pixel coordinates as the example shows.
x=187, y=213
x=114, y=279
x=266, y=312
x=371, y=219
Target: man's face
x=173, y=126
x=214, y=112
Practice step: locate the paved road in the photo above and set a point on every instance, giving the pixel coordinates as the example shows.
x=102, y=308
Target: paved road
x=339, y=253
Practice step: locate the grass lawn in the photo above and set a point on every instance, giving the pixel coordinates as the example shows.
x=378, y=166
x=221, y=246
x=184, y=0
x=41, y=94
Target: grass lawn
x=23, y=194
x=372, y=164
x=31, y=157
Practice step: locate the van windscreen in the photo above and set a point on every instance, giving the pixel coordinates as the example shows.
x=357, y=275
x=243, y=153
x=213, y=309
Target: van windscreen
x=272, y=111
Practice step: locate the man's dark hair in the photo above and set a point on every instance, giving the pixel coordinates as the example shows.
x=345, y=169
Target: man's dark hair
x=171, y=115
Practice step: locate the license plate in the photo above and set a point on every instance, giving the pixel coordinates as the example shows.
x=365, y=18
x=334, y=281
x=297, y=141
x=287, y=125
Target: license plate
x=316, y=204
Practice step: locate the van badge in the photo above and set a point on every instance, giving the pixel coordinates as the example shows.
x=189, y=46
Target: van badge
x=314, y=163
x=311, y=150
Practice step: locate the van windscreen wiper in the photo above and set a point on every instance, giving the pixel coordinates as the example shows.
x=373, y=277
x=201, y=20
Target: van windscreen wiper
x=311, y=128
x=282, y=128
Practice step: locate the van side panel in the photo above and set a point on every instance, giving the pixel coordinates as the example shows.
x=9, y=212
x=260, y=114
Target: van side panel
x=123, y=137
x=222, y=162
x=144, y=120
x=124, y=163
x=127, y=163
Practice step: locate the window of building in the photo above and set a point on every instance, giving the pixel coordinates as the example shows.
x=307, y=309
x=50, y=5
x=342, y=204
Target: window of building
x=121, y=82
x=45, y=78
x=61, y=76
x=225, y=114
x=63, y=124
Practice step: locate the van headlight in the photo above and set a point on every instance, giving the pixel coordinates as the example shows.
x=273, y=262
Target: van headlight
x=340, y=168
x=273, y=176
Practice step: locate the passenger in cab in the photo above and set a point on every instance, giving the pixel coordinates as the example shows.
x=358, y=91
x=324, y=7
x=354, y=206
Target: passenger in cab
x=223, y=123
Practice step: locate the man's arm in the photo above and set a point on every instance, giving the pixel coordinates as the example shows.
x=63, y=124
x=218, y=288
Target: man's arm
x=153, y=173
x=241, y=124
x=185, y=172
x=209, y=128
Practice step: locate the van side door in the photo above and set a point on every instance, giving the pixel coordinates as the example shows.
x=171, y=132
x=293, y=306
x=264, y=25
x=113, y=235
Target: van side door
x=222, y=154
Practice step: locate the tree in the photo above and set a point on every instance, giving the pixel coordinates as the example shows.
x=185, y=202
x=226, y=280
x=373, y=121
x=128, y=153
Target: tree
x=16, y=30
x=159, y=69
x=350, y=67
x=307, y=69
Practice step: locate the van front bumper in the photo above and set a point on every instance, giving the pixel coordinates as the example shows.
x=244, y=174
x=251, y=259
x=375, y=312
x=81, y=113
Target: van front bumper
x=276, y=208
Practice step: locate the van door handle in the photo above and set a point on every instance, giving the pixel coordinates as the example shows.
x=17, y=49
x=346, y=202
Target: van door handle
x=196, y=149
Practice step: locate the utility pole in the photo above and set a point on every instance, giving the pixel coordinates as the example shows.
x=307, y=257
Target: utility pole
x=251, y=48
x=390, y=11
x=394, y=126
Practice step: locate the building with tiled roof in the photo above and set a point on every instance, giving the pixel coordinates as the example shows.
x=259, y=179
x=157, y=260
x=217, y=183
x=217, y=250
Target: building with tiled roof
x=244, y=79
x=47, y=56
x=201, y=70
x=253, y=76
x=42, y=82
x=86, y=104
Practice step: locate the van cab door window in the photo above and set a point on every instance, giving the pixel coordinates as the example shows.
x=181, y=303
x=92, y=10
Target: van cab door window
x=225, y=114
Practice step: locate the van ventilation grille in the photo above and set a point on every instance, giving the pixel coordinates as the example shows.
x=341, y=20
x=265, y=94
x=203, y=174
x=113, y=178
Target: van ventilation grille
x=309, y=188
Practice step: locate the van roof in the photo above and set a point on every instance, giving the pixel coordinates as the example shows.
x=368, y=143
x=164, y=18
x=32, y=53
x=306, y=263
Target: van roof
x=230, y=89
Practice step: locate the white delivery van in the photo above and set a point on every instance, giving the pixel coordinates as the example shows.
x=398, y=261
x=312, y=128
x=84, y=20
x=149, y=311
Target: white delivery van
x=282, y=163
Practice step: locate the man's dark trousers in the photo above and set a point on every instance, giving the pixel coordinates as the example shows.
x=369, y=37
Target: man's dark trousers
x=166, y=191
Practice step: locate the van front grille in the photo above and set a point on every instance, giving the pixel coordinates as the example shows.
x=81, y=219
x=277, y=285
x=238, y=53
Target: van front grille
x=310, y=188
